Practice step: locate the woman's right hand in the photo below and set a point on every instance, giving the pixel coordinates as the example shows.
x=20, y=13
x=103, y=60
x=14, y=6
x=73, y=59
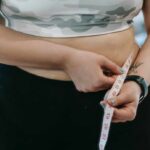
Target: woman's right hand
x=86, y=69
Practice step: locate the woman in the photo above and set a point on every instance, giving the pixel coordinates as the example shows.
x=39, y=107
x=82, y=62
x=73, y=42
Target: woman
x=59, y=59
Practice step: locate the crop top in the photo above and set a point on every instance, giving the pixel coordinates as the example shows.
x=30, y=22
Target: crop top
x=69, y=18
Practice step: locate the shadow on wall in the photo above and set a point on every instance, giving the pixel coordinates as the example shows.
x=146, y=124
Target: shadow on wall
x=140, y=29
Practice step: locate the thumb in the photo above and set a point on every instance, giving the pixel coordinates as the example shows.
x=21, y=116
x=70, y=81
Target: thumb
x=119, y=100
x=114, y=68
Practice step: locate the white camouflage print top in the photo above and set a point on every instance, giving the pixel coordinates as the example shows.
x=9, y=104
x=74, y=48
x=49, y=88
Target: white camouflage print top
x=69, y=18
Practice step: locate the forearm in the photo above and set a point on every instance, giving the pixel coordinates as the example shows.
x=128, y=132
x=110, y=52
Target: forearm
x=24, y=50
x=141, y=65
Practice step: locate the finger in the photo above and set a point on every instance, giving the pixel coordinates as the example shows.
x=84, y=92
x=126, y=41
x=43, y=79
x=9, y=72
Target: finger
x=109, y=81
x=103, y=104
x=114, y=77
x=104, y=82
x=112, y=66
x=115, y=120
x=125, y=114
x=120, y=100
x=118, y=121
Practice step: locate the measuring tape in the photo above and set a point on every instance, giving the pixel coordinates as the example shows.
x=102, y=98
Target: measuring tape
x=108, y=110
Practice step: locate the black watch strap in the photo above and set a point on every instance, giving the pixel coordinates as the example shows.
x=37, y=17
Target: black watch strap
x=141, y=82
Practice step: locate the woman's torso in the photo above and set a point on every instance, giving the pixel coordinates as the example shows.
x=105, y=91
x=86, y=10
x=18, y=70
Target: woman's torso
x=89, y=17
x=116, y=47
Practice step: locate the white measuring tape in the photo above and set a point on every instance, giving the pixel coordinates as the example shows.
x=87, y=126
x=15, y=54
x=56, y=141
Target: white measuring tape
x=108, y=111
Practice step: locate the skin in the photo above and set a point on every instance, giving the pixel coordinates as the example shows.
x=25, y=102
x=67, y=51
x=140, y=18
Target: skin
x=128, y=99
x=102, y=45
x=82, y=60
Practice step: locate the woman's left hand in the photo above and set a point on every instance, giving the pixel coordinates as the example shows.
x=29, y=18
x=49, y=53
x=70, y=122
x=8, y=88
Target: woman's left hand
x=126, y=103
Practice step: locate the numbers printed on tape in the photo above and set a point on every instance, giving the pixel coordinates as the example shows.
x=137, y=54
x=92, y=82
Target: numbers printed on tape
x=108, y=112
x=106, y=126
x=108, y=116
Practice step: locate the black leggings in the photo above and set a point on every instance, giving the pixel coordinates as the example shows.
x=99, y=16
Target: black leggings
x=44, y=114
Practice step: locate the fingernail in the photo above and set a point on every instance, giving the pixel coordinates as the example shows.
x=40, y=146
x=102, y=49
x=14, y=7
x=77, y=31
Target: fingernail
x=122, y=70
x=112, y=101
x=103, y=104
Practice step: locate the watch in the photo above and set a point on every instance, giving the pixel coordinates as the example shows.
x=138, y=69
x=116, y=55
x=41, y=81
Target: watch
x=141, y=82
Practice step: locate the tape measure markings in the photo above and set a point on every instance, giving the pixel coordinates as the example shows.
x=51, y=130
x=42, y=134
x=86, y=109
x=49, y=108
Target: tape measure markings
x=108, y=111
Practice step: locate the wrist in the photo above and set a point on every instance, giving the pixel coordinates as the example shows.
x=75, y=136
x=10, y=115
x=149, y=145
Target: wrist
x=135, y=87
x=142, y=84
x=69, y=57
x=68, y=54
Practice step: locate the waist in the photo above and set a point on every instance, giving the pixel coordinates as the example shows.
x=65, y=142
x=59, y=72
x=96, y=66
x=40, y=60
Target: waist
x=115, y=46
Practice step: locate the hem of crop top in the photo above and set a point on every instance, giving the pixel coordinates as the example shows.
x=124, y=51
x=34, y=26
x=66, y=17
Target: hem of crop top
x=27, y=28
x=56, y=35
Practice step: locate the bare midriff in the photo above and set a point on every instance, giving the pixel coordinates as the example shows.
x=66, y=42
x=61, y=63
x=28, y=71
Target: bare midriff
x=115, y=46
